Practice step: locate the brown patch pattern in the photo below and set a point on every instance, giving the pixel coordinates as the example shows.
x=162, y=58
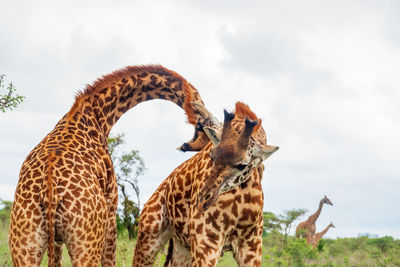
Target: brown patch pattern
x=307, y=228
x=233, y=223
x=67, y=191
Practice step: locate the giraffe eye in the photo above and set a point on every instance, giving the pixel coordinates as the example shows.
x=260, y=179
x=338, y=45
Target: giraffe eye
x=240, y=167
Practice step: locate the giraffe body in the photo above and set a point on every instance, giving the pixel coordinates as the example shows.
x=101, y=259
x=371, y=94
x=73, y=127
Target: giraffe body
x=307, y=228
x=200, y=231
x=319, y=235
x=67, y=191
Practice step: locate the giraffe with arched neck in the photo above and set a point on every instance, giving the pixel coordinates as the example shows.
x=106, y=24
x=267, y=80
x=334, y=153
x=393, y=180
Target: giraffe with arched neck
x=319, y=235
x=211, y=203
x=307, y=228
x=67, y=191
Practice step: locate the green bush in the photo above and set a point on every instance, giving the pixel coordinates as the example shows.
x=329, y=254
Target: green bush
x=298, y=251
x=384, y=244
x=321, y=245
x=278, y=250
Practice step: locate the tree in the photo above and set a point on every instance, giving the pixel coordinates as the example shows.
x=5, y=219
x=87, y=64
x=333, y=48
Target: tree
x=5, y=211
x=128, y=167
x=281, y=222
x=288, y=217
x=271, y=222
x=9, y=100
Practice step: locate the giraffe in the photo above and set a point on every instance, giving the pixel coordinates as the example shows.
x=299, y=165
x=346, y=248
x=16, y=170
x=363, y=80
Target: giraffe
x=67, y=191
x=212, y=202
x=307, y=228
x=319, y=235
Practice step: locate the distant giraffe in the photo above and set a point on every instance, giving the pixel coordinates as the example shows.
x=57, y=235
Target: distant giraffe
x=307, y=228
x=212, y=202
x=319, y=235
x=67, y=191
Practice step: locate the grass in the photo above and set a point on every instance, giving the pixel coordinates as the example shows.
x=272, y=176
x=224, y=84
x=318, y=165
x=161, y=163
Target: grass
x=5, y=256
x=125, y=249
x=344, y=252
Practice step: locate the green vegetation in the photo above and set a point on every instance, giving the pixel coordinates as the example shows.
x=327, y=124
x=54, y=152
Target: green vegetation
x=9, y=99
x=5, y=211
x=278, y=250
x=128, y=166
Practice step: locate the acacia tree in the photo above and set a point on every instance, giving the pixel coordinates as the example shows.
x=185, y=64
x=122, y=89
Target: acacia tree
x=10, y=99
x=281, y=224
x=128, y=167
x=287, y=219
x=272, y=222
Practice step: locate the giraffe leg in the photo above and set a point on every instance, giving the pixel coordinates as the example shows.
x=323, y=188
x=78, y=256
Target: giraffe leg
x=58, y=254
x=249, y=253
x=84, y=231
x=153, y=233
x=180, y=255
x=28, y=233
x=109, y=253
x=247, y=248
x=86, y=250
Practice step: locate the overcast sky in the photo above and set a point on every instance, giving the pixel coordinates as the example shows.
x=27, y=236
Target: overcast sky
x=323, y=76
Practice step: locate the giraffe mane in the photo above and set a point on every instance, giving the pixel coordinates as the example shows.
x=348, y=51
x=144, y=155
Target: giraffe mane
x=187, y=105
x=189, y=98
x=243, y=110
x=117, y=75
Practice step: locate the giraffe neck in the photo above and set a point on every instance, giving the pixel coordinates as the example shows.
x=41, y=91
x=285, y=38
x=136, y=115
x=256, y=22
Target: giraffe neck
x=313, y=218
x=322, y=233
x=113, y=95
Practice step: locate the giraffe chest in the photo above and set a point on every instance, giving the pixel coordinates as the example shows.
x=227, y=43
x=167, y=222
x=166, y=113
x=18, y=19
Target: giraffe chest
x=237, y=209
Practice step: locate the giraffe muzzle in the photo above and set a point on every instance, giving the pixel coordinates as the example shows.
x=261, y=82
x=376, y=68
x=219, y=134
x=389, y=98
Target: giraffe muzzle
x=184, y=147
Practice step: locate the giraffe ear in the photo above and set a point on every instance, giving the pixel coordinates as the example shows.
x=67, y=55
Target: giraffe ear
x=213, y=134
x=265, y=151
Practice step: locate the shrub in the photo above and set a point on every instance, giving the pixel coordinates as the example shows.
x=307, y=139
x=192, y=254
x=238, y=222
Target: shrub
x=298, y=250
x=384, y=244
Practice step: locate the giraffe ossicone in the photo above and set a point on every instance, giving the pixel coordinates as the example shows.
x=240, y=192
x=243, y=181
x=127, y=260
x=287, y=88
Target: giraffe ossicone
x=231, y=157
x=199, y=220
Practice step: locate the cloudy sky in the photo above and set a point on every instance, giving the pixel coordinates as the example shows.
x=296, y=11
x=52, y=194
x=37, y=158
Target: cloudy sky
x=323, y=76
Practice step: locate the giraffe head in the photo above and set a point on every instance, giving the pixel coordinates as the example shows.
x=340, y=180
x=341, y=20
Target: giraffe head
x=204, y=119
x=235, y=153
x=326, y=200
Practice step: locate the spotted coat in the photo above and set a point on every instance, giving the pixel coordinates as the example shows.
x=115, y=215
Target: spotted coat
x=67, y=190
x=307, y=228
x=198, y=237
